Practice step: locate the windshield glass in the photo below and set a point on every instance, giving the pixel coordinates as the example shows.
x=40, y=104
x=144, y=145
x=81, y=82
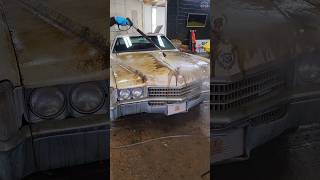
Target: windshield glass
x=139, y=43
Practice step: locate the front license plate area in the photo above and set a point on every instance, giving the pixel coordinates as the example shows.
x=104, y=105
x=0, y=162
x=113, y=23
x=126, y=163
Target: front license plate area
x=177, y=108
x=228, y=145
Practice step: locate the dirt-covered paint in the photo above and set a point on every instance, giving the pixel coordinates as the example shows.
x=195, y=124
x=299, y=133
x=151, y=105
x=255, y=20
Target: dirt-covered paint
x=253, y=32
x=48, y=55
x=8, y=68
x=153, y=69
x=122, y=77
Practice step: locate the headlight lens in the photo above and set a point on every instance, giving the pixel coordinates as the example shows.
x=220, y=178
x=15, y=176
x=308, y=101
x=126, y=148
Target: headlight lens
x=124, y=94
x=206, y=85
x=87, y=98
x=309, y=71
x=47, y=103
x=137, y=92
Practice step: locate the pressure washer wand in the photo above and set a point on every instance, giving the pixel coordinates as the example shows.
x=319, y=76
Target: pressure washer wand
x=145, y=36
x=121, y=21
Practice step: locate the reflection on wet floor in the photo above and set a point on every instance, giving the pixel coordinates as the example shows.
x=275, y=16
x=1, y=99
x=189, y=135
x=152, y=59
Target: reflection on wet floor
x=293, y=156
x=152, y=146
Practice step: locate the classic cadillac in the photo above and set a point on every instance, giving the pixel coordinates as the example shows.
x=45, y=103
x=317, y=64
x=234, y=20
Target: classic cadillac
x=266, y=75
x=53, y=86
x=152, y=76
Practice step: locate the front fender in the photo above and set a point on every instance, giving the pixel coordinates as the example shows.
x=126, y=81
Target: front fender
x=8, y=67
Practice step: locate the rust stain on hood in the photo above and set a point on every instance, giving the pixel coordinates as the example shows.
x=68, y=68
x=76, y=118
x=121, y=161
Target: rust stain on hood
x=176, y=69
x=122, y=77
x=256, y=32
x=8, y=68
x=91, y=14
x=47, y=55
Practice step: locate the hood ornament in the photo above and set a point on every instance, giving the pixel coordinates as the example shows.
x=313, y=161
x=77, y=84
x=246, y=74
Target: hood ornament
x=177, y=74
x=226, y=58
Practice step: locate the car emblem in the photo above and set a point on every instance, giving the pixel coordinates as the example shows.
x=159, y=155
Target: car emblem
x=226, y=60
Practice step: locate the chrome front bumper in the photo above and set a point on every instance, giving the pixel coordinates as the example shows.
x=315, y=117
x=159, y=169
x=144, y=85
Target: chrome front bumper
x=235, y=143
x=145, y=107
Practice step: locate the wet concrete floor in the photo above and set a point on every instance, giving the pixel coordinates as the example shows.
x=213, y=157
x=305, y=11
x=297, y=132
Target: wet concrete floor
x=151, y=146
x=292, y=156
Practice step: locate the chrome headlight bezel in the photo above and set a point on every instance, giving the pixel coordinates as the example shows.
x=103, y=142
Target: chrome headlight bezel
x=131, y=93
x=309, y=70
x=70, y=111
x=32, y=102
x=124, y=94
x=81, y=87
x=137, y=93
x=113, y=96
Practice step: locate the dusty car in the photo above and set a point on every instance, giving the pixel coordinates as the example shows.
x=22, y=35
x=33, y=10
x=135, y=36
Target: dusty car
x=266, y=73
x=53, y=88
x=148, y=77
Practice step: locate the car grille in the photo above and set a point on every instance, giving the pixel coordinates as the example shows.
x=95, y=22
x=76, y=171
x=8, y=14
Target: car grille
x=174, y=92
x=226, y=96
x=268, y=116
x=157, y=103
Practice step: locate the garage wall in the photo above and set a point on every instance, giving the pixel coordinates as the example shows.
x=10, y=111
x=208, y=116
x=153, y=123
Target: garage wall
x=161, y=18
x=147, y=10
x=177, y=18
x=139, y=13
x=128, y=8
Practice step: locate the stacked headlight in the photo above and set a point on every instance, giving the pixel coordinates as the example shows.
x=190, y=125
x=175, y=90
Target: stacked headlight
x=66, y=101
x=48, y=102
x=87, y=98
x=137, y=93
x=124, y=94
x=205, y=85
x=134, y=93
x=309, y=70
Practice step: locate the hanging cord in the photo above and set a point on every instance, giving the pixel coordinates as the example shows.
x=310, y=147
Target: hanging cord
x=156, y=139
x=162, y=138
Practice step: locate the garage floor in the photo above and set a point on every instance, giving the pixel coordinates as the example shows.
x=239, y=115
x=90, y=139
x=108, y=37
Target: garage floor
x=158, y=147
x=294, y=156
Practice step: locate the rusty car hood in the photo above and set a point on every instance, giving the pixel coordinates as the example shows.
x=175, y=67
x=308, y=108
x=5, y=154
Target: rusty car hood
x=8, y=68
x=153, y=69
x=122, y=77
x=250, y=33
x=92, y=14
x=48, y=55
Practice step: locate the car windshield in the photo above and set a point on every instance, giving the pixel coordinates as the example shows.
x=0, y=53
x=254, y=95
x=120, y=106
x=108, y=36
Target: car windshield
x=140, y=43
